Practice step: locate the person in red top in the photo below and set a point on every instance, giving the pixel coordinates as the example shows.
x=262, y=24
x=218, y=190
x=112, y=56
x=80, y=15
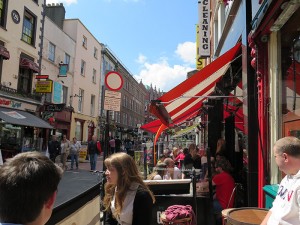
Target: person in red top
x=224, y=184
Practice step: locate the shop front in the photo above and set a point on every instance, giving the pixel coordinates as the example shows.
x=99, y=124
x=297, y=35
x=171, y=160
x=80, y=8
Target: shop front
x=275, y=43
x=20, y=131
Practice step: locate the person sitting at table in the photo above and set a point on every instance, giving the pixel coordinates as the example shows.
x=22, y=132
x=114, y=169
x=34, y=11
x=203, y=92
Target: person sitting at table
x=172, y=171
x=178, y=157
x=224, y=184
x=159, y=172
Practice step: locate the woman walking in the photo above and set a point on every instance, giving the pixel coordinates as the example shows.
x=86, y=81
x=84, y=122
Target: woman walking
x=65, y=150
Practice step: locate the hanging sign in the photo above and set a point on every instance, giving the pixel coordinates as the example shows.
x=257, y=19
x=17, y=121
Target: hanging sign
x=113, y=81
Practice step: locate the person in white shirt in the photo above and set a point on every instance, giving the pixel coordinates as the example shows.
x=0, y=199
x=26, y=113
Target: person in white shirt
x=172, y=170
x=286, y=206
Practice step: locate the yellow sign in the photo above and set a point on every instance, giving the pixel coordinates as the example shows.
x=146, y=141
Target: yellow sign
x=82, y=153
x=43, y=86
x=199, y=61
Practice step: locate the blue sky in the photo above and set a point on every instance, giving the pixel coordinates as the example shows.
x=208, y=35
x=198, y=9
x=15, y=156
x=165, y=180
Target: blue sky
x=154, y=39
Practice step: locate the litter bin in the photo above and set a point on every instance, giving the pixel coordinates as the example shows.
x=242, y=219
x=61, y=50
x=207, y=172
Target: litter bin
x=270, y=194
x=246, y=216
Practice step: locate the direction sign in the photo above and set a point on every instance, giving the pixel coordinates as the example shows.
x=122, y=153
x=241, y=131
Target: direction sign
x=113, y=81
x=41, y=76
x=112, y=100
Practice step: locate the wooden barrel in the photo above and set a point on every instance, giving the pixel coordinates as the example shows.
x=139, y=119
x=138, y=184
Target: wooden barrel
x=224, y=215
x=246, y=216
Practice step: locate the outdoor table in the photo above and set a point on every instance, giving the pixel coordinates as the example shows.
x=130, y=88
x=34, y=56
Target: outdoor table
x=246, y=216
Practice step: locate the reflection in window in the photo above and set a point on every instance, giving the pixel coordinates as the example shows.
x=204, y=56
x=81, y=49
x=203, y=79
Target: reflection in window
x=80, y=100
x=67, y=60
x=28, y=28
x=25, y=80
x=82, y=68
x=3, y=12
x=78, y=131
x=51, y=55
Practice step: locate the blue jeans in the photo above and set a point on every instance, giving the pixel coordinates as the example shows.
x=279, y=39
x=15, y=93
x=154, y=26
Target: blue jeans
x=74, y=157
x=93, y=161
x=217, y=206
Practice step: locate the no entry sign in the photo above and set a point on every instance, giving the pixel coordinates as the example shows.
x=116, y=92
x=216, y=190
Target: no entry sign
x=113, y=81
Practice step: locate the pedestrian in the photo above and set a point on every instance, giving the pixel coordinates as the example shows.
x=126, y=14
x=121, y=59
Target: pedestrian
x=93, y=152
x=74, y=150
x=54, y=148
x=172, y=170
x=28, y=187
x=286, y=206
x=65, y=151
x=127, y=199
x=112, y=145
x=118, y=144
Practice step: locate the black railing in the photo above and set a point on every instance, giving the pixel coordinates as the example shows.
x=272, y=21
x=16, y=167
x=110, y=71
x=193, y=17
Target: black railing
x=20, y=93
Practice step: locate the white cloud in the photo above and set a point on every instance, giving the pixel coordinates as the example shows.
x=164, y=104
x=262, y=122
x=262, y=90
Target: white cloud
x=161, y=75
x=141, y=59
x=164, y=76
x=67, y=2
x=187, y=52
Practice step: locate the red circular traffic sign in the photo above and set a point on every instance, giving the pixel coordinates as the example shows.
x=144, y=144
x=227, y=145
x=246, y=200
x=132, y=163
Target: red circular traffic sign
x=114, y=81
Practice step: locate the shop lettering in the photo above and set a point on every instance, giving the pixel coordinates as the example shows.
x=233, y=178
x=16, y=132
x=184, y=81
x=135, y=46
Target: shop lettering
x=13, y=104
x=204, y=22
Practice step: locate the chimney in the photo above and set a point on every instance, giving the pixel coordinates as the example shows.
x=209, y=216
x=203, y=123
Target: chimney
x=56, y=13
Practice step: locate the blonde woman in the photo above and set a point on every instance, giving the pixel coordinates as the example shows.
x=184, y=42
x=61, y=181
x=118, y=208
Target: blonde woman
x=65, y=150
x=127, y=200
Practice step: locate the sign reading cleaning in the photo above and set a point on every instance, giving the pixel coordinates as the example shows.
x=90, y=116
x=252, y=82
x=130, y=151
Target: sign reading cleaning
x=204, y=29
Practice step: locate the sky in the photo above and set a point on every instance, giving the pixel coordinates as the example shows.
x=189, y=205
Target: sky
x=154, y=39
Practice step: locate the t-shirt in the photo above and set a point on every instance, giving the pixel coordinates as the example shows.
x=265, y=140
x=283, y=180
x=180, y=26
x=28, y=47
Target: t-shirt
x=286, y=206
x=224, y=187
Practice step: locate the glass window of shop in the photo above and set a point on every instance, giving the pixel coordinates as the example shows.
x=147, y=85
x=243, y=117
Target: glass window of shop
x=290, y=64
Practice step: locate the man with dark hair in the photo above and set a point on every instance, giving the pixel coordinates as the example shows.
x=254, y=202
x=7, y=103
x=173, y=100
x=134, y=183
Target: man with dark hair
x=118, y=144
x=28, y=187
x=54, y=148
x=286, y=206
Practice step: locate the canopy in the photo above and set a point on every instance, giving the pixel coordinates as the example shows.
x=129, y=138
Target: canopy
x=22, y=118
x=187, y=97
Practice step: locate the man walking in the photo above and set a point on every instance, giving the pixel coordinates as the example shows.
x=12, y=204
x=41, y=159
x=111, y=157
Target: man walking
x=54, y=148
x=93, y=152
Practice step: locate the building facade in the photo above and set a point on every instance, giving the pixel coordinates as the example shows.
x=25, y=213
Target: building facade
x=21, y=25
x=86, y=84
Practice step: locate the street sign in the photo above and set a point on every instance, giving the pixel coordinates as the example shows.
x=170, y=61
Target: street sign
x=55, y=107
x=42, y=77
x=43, y=86
x=112, y=100
x=113, y=81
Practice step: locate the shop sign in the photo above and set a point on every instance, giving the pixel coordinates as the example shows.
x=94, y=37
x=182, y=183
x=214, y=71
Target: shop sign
x=14, y=114
x=82, y=153
x=12, y=104
x=199, y=60
x=55, y=107
x=43, y=86
x=204, y=28
x=47, y=115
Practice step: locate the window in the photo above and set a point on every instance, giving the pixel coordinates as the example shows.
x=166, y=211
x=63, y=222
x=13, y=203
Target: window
x=51, y=54
x=96, y=53
x=29, y=22
x=3, y=12
x=82, y=68
x=65, y=94
x=92, y=105
x=94, y=76
x=25, y=81
x=78, y=131
x=80, y=100
x=67, y=60
x=84, y=41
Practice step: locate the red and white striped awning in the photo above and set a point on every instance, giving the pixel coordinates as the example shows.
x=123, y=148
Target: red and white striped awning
x=186, y=98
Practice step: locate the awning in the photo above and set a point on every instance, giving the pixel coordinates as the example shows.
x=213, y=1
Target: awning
x=186, y=98
x=152, y=126
x=29, y=64
x=185, y=131
x=4, y=52
x=22, y=118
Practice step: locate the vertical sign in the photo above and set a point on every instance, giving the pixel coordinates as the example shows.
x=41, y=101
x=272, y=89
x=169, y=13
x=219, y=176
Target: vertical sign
x=204, y=28
x=57, y=92
x=199, y=61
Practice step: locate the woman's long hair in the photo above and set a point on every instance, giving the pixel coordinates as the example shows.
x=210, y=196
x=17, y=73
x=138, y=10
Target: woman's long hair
x=127, y=174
